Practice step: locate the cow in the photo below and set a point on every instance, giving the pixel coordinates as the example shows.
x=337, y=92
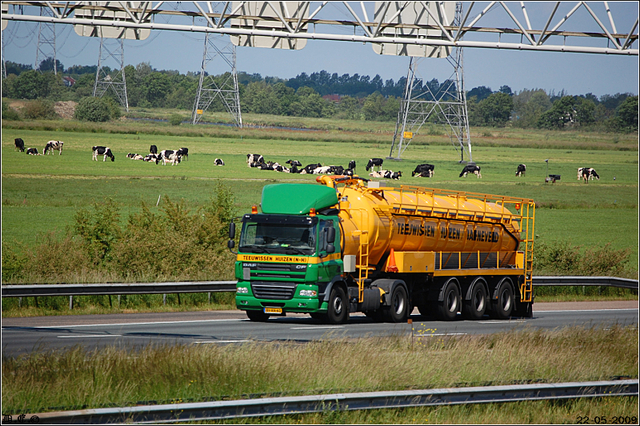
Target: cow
x=254, y=158
x=322, y=170
x=153, y=149
x=522, y=168
x=51, y=145
x=150, y=157
x=102, y=150
x=183, y=153
x=168, y=156
x=423, y=170
x=309, y=168
x=135, y=156
x=588, y=173
x=387, y=174
x=19, y=144
x=293, y=163
x=471, y=168
x=352, y=165
x=32, y=151
x=337, y=170
x=374, y=162
x=218, y=162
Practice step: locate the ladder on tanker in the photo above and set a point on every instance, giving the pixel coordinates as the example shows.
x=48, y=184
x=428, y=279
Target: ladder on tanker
x=528, y=224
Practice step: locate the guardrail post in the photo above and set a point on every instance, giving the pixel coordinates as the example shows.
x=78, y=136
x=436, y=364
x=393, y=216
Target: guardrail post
x=70, y=302
x=164, y=299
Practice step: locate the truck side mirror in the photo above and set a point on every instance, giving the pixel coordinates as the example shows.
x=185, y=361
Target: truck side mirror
x=331, y=248
x=231, y=244
x=232, y=231
x=331, y=235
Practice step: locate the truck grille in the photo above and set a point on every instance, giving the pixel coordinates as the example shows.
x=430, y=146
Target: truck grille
x=257, y=270
x=277, y=291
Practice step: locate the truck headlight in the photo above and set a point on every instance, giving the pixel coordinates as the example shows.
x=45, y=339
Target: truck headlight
x=242, y=290
x=309, y=293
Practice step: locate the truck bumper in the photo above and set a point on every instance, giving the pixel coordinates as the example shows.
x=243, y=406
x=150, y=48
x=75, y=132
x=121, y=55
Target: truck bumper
x=297, y=304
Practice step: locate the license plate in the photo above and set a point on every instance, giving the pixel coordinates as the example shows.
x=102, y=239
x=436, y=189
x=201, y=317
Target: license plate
x=273, y=311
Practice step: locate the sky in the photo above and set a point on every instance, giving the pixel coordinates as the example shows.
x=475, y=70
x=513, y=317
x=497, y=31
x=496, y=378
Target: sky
x=575, y=73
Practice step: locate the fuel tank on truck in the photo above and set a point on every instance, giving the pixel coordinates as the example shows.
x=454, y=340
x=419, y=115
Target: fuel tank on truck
x=419, y=219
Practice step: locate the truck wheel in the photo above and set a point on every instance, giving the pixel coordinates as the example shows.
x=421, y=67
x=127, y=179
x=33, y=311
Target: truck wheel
x=504, y=305
x=397, y=312
x=449, y=306
x=258, y=316
x=338, y=310
x=476, y=307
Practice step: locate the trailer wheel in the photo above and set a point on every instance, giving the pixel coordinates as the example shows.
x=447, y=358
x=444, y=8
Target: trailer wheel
x=397, y=312
x=338, y=310
x=257, y=316
x=449, y=306
x=503, y=307
x=476, y=307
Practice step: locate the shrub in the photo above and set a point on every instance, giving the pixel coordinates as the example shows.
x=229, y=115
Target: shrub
x=93, y=109
x=9, y=113
x=175, y=119
x=40, y=110
x=562, y=258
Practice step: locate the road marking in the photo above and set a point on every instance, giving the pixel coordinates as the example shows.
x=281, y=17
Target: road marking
x=121, y=323
x=82, y=336
x=502, y=322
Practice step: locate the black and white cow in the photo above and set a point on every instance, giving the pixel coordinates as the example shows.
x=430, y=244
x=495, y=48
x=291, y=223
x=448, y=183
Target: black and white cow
x=51, y=145
x=218, y=162
x=423, y=170
x=183, y=153
x=587, y=173
x=522, y=168
x=19, y=144
x=390, y=174
x=153, y=149
x=471, y=168
x=150, y=157
x=103, y=150
x=135, y=156
x=309, y=169
x=337, y=170
x=168, y=156
x=254, y=158
x=293, y=163
x=374, y=162
x=32, y=151
x=352, y=165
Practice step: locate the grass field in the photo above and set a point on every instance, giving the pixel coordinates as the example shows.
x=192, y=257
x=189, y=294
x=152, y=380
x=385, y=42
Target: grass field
x=42, y=193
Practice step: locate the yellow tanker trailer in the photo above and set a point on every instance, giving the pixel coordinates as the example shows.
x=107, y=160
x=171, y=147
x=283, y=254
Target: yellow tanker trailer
x=350, y=245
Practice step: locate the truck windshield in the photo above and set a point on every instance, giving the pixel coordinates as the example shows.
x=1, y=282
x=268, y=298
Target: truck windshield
x=282, y=238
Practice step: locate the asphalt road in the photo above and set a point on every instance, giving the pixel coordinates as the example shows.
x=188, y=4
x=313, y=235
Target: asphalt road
x=24, y=335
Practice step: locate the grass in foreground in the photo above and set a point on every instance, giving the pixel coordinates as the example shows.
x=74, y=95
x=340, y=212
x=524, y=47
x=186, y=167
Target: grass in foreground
x=49, y=381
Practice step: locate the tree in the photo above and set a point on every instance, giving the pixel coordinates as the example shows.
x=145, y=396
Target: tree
x=480, y=92
x=528, y=106
x=156, y=87
x=93, y=109
x=628, y=113
x=561, y=113
x=496, y=109
x=585, y=111
x=47, y=65
x=31, y=85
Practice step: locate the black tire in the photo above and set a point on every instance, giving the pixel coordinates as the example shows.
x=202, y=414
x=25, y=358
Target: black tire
x=338, y=309
x=477, y=306
x=449, y=306
x=397, y=312
x=257, y=316
x=503, y=307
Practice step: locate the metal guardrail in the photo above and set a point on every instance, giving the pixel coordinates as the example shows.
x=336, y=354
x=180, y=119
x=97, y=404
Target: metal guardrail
x=591, y=281
x=221, y=410
x=38, y=290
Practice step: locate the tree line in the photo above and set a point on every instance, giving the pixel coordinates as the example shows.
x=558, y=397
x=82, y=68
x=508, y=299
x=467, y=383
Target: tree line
x=321, y=94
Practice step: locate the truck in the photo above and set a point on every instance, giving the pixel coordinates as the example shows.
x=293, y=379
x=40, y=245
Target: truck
x=349, y=244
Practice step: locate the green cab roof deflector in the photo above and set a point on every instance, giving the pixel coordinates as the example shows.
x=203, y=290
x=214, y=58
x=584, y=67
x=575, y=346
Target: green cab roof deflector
x=294, y=198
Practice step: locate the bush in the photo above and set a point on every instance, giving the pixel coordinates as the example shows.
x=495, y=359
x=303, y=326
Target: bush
x=93, y=109
x=562, y=258
x=175, y=119
x=9, y=113
x=40, y=110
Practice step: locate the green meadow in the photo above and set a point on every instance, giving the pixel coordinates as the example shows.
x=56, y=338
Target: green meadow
x=42, y=193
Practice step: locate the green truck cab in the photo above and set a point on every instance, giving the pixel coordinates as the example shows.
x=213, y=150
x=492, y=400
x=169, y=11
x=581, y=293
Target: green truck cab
x=289, y=255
